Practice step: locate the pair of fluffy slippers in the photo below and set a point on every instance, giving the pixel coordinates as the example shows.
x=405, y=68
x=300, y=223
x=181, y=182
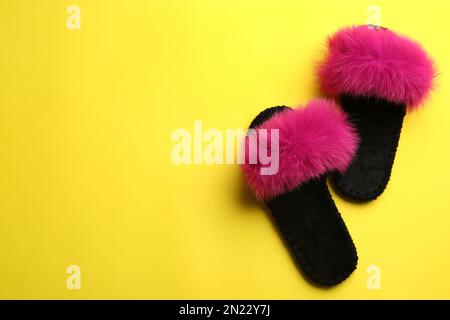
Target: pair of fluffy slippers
x=377, y=77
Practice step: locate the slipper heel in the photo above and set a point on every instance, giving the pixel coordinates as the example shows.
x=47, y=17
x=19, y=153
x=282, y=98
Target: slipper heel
x=379, y=124
x=379, y=77
x=311, y=142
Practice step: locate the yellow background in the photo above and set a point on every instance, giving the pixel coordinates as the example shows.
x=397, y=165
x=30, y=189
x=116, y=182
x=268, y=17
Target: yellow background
x=86, y=177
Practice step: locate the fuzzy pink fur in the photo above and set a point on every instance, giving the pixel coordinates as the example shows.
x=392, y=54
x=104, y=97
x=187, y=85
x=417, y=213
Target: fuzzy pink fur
x=363, y=61
x=312, y=141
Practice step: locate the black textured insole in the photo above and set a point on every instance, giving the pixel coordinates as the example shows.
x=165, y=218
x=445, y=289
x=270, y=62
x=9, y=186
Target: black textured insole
x=312, y=227
x=379, y=124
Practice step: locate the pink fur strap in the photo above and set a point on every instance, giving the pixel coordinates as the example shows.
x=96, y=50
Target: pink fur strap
x=376, y=62
x=304, y=143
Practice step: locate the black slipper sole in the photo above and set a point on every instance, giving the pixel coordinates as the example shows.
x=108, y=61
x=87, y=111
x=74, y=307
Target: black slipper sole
x=312, y=227
x=379, y=125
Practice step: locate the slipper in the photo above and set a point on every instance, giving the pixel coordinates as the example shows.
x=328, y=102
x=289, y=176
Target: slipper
x=309, y=142
x=378, y=77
